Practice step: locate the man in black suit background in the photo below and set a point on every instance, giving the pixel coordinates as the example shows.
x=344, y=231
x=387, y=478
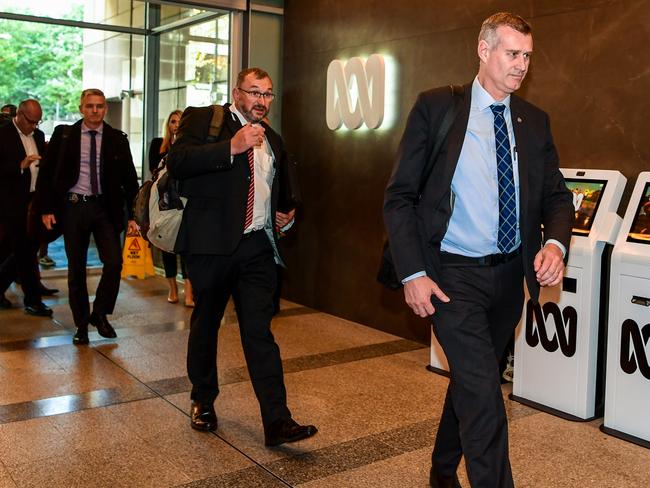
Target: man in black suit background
x=88, y=177
x=21, y=147
x=463, y=248
x=228, y=237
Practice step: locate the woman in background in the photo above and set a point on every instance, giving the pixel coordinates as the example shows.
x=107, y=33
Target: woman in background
x=157, y=151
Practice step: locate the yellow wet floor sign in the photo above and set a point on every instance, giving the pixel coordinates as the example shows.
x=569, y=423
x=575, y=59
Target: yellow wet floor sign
x=136, y=257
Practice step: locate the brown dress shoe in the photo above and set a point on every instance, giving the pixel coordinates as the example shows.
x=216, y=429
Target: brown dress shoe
x=203, y=416
x=287, y=430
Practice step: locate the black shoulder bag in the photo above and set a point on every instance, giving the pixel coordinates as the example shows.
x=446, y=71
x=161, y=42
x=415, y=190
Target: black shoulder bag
x=387, y=275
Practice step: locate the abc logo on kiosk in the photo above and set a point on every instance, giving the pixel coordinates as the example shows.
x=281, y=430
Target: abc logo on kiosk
x=633, y=348
x=563, y=333
x=356, y=92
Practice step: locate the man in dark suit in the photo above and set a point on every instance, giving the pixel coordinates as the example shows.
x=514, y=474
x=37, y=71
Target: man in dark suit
x=463, y=248
x=86, y=180
x=21, y=147
x=228, y=237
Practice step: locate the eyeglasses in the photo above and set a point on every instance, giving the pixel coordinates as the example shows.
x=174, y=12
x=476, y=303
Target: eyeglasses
x=31, y=122
x=268, y=96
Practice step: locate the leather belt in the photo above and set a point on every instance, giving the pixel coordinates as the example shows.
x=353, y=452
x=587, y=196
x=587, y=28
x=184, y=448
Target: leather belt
x=78, y=197
x=447, y=258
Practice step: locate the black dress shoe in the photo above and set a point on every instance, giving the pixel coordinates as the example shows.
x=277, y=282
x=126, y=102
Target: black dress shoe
x=439, y=481
x=81, y=336
x=203, y=416
x=38, y=310
x=47, y=292
x=4, y=303
x=287, y=430
x=104, y=327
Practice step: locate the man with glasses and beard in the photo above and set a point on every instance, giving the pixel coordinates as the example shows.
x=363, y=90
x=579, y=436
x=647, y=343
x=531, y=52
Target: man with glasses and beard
x=228, y=238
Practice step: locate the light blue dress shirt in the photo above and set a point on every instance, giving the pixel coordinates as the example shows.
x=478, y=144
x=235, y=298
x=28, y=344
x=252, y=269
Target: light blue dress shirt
x=83, y=183
x=474, y=223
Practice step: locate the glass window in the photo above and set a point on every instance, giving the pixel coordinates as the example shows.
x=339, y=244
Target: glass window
x=54, y=63
x=172, y=13
x=125, y=13
x=194, y=66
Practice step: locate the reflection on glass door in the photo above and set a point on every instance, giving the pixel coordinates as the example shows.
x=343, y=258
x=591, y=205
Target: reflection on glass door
x=194, y=66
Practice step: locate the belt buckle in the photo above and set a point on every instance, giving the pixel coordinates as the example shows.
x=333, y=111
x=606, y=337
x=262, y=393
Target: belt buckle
x=74, y=198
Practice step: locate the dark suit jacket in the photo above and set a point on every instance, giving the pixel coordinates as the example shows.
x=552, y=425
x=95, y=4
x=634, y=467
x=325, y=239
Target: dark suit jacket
x=60, y=172
x=154, y=153
x=14, y=185
x=217, y=190
x=415, y=230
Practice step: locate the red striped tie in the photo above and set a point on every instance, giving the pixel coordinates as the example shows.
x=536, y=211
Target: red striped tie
x=251, y=189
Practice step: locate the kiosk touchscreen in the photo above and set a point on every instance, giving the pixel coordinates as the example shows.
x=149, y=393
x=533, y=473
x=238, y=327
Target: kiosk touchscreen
x=557, y=341
x=627, y=397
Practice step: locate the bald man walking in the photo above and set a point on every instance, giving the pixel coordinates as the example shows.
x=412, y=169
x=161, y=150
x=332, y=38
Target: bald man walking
x=21, y=147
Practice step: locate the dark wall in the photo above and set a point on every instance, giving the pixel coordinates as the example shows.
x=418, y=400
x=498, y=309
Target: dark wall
x=590, y=71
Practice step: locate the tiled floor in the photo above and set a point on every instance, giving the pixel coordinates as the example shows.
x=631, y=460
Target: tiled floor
x=115, y=413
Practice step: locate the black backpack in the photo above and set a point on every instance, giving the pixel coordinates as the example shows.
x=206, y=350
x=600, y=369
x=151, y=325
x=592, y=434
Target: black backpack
x=168, y=195
x=141, y=205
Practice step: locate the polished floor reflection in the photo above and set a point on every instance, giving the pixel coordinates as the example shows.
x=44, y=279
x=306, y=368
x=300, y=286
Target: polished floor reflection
x=115, y=413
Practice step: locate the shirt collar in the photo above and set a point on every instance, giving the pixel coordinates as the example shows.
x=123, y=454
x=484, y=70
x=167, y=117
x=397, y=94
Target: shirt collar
x=20, y=131
x=482, y=100
x=85, y=128
x=238, y=114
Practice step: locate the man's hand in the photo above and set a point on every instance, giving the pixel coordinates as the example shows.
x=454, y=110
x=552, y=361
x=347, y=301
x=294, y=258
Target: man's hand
x=132, y=228
x=549, y=265
x=48, y=221
x=417, y=293
x=246, y=137
x=282, y=219
x=27, y=162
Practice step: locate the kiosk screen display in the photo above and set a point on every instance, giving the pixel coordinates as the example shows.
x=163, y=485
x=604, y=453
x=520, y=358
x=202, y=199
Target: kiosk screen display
x=587, y=195
x=640, y=230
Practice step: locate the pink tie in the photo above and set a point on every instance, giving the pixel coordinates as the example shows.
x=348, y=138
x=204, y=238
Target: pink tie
x=251, y=190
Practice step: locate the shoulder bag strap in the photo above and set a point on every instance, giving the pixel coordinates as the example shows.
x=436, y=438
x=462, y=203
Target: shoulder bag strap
x=457, y=92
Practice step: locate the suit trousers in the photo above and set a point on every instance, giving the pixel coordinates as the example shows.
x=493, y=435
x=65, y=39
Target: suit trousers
x=473, y=329
x=249, y=276
x=80, y=220
x=22, y=261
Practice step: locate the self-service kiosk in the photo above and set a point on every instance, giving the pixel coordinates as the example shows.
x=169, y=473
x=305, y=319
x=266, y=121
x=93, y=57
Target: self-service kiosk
x=627, y=391
x=557, y=340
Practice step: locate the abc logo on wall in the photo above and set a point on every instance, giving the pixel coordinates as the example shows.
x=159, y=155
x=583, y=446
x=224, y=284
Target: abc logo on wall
x=551, y=327
x=356, y=92
x=633, y=348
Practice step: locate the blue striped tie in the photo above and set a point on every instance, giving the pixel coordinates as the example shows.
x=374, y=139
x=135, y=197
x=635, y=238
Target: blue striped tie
x=507, y=198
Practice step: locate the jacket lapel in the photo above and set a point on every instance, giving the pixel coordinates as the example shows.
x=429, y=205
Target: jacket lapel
x=18, y=143
x=456, y=137
x=230, y=120
x=105, y=151
x=521, y=140
x=73, y=151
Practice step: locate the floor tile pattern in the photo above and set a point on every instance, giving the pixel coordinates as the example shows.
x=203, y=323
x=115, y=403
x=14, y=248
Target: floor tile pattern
x=114, y=413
